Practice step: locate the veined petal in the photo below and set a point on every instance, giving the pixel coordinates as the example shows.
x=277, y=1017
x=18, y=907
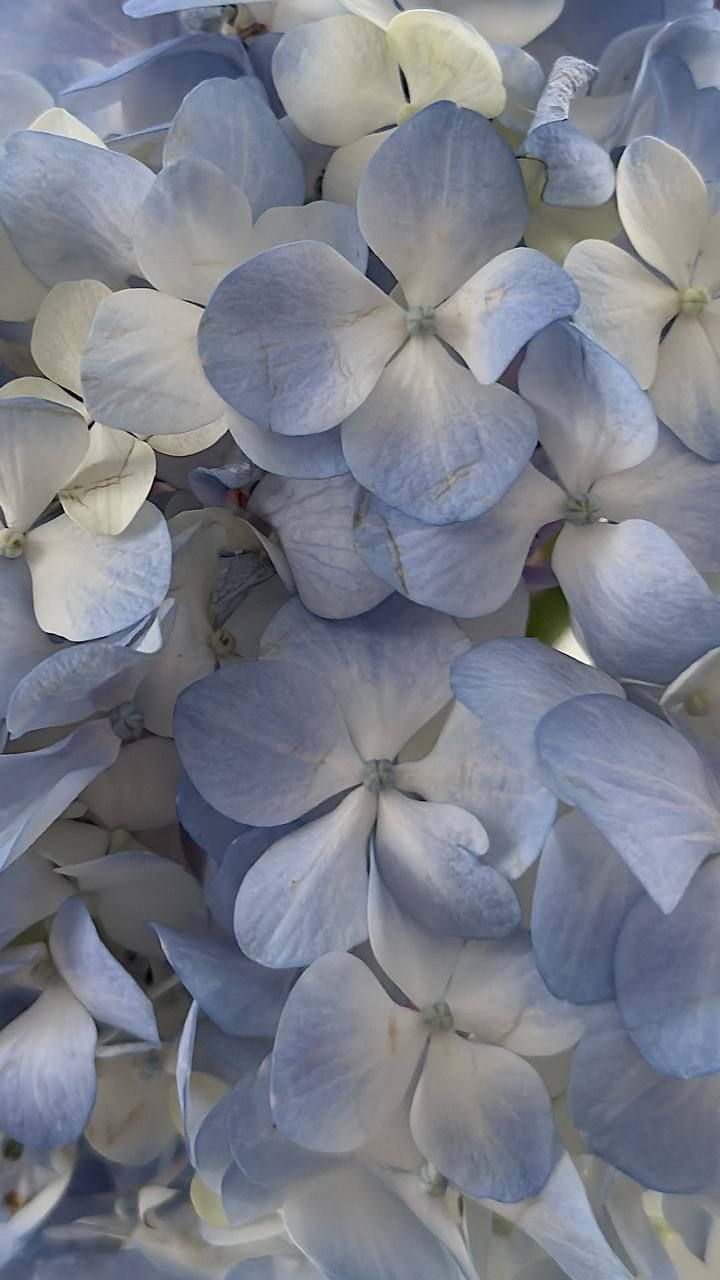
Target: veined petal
x=502, y=306
x=296, y=338
x=307, y=894
x=338, y=78
x=47, y=1065
x=467, y=569
x=313, y=457
x=314, y=521
x=419, y=961
x=131, y=1122
x=61, y=330
x=664, y=207
x=346, y=166
x=344, y=1056
x=95, y=977
x=623, y=306
x=140, y=368
x=73, y=683
x=639, y=782
x=445, y=179
x=562, y=1222
x=24, y=644
x=111, y=484
x=432, y=443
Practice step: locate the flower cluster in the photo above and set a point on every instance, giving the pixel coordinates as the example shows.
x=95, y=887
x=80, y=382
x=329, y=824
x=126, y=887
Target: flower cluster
x=360, y=643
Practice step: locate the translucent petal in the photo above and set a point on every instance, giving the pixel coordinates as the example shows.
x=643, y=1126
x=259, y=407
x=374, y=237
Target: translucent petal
x=61, y=330
x=140, y=368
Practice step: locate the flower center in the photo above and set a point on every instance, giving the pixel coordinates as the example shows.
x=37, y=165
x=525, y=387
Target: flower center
x=127, y=722
x=438, y=1016
x=419, y=320
x=582, y=508
x=12, y=543
x=693, y=301
x=378, y=775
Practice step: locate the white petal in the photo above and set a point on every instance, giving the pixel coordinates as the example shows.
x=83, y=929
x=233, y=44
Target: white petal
x=444, y=59
x=347, y=165
x=192, y=228
x=664, y=207
x=61, y=330
x=42, y=389
x=687, y=383
x=497, y=993
x=60, y=122
x=338, y=79
x=622, y=305
x=140, y=369
x=110, y=486
x=89, y=585
x=131, y=1122
x=41, y=444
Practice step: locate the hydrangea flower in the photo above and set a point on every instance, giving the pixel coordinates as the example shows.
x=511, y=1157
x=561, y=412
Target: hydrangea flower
x=658, y=311
x=436, y=439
